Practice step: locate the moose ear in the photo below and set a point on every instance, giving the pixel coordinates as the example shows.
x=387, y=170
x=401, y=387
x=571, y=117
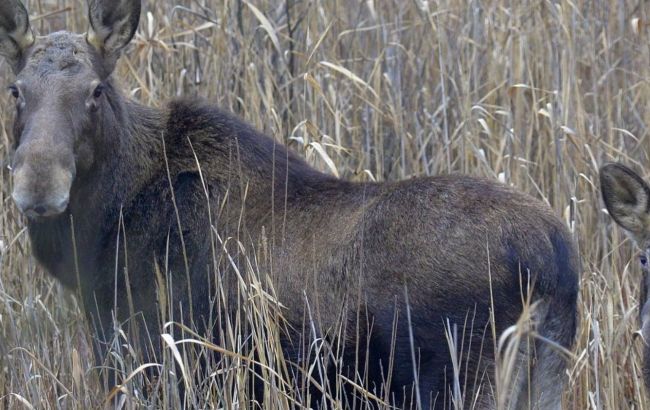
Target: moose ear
x=112, y=26
x=15, y=33
x=626, y=196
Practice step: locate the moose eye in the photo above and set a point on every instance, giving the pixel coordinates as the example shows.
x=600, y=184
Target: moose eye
x=643, y=260
x=98, y=91
x=14, y=91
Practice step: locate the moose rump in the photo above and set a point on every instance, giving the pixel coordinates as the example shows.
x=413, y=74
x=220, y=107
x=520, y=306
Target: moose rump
x=452, y=250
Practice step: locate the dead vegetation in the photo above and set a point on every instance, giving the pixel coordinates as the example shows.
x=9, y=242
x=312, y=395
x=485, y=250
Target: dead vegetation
x=536, y=94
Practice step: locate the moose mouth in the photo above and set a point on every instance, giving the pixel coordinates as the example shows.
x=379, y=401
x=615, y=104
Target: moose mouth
x=40, y=211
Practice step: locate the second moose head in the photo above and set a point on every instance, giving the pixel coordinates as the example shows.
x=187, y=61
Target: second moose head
x=627, y=198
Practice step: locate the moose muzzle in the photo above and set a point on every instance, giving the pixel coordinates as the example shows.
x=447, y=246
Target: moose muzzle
x=43, y=176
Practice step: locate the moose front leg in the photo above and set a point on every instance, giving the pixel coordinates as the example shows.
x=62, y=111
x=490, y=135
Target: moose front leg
x=100, y=318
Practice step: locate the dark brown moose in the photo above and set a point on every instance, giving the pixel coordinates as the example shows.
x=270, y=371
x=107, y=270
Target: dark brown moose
x=627, y=198
x=92, y=166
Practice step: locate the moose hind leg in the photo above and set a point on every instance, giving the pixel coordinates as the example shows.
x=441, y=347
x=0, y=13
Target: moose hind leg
x=556, y=318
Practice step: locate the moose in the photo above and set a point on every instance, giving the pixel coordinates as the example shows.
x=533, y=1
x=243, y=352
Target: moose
x=627, y=199
x=90, y=166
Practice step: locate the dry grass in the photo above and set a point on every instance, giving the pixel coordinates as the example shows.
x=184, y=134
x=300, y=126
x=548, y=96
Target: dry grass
x=534, y=93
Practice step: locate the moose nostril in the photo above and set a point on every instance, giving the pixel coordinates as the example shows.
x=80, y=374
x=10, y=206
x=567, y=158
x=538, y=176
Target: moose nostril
x=40, y=209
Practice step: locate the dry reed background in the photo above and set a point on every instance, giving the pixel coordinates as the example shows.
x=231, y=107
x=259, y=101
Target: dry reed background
x=535, y=93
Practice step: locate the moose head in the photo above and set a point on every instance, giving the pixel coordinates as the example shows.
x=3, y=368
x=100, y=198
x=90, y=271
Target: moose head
x=627, y=198
x=60, y=93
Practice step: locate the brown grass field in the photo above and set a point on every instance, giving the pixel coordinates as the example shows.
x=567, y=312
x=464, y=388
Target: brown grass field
x=535, y=93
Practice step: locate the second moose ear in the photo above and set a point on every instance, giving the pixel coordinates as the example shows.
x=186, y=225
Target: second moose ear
x=15, y=33
x=626, y=196
x=112, y=26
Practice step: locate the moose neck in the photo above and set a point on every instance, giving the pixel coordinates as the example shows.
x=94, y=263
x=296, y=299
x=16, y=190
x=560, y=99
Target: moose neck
x=129, y=150
x=190, y=135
